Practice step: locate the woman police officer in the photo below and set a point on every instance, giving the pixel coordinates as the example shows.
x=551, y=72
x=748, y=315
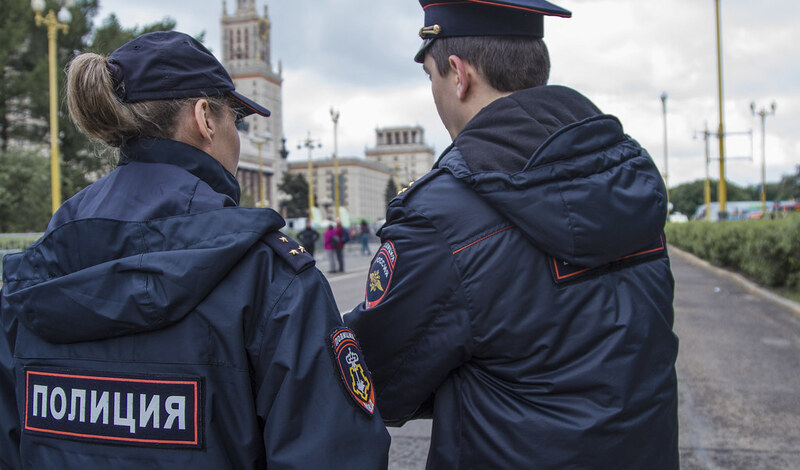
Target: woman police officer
x=158, y=324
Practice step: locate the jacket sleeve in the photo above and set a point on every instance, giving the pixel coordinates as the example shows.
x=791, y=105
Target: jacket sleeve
x=9, y=417
x=310, y=420
x=414, y=325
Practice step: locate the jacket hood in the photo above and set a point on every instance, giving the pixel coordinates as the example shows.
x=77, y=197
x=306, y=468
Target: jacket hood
x=92, y=279
x=575, y=184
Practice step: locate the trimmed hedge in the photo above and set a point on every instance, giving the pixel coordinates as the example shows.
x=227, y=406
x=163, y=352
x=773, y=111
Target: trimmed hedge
x=767, y=251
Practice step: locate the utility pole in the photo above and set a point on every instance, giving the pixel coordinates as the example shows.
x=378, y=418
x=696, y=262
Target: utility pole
x=723, y=190
x=707, y=185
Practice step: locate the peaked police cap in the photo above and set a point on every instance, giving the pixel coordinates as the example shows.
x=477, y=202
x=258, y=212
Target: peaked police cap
x=171, y=65
x=451, y=18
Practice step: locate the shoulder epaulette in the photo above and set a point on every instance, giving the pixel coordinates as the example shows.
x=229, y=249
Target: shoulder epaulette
x=289, y=250
x=407, y=190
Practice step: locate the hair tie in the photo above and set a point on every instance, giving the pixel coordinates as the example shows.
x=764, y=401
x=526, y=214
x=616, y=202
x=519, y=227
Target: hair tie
x=117, y=79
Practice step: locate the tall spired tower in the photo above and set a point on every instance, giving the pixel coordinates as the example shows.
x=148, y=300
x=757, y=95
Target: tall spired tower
x=246, y=56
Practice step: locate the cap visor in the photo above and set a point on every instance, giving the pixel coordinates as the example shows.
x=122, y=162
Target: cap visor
x=248, y=106
x=420, y=57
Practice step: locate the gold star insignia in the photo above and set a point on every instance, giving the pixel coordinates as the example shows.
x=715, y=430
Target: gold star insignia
x=294, y=252
x=284, y=239
x=302, y=250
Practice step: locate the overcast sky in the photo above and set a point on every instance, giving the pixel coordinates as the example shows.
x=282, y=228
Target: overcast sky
x=357, y=56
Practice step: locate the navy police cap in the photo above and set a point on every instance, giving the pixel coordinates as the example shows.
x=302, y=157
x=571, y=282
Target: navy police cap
x=171, y=65
x=449, y=18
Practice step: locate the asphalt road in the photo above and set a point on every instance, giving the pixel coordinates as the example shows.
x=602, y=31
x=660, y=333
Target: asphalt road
x=738, y=371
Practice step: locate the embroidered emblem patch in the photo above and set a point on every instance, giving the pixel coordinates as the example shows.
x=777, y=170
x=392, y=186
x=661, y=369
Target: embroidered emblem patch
x=354, y=373
x=111, y=408
x=380, y=274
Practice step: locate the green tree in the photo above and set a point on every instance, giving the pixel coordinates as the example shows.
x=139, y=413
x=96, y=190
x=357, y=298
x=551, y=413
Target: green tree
x=390, y=192
x=295, y=187
x=687, y=197
x=24, y=207
x=110, y=34
x=789, y=187
x=24, y=85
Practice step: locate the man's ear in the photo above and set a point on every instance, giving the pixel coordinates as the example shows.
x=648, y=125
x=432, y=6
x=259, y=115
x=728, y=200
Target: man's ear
x=203, y=120
x=462, y=76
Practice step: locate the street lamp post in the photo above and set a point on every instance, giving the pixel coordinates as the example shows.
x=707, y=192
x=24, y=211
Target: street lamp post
x=666, y=177
x=335, y=118
x=707, y=186
x=54, y=24
x=259, y=141
x=763, y=113
x=310, y=144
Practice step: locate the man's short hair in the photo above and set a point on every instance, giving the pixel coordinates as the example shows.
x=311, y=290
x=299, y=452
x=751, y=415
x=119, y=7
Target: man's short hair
x=509, y=63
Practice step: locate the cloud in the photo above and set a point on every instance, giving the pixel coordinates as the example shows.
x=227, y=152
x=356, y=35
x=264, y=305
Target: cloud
x=357, y=57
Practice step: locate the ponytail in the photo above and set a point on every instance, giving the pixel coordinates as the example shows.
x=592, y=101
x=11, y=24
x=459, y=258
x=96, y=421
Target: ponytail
x=97, y=111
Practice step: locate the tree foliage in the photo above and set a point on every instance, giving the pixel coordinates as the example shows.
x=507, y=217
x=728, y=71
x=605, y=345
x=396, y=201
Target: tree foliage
x=390, y=192
x=789, y=187
x=686, y=197
x=25, y=95
x=24, y=207
x=295, y=187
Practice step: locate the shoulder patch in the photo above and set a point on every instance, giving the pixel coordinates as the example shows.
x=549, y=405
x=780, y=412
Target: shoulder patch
x=352, y=369
x=289, y=250
x=163, y=411
x=564, y=272
x=380, y=275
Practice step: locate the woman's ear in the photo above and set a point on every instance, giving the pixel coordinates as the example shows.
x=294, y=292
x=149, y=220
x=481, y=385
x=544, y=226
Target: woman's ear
x=204, y=121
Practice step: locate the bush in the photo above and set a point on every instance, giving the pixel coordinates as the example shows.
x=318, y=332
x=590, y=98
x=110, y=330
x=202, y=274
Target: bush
x=767, y=251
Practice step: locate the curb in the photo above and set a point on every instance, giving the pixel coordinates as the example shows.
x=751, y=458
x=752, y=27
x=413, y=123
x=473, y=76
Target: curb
x=746, y=283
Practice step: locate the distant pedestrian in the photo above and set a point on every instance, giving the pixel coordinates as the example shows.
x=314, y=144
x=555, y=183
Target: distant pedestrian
x=308, y=237
x=333, y=243
x=344, y=238
x=364, y=237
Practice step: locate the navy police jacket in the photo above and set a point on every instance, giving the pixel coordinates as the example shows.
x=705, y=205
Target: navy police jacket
x=522, y=296
x=157, y=325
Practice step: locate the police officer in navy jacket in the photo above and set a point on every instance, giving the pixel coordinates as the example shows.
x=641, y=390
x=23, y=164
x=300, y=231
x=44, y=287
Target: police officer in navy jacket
x=158, y=325
x=522, y=294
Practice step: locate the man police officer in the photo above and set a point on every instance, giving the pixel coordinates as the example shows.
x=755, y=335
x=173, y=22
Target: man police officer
x=522, y=293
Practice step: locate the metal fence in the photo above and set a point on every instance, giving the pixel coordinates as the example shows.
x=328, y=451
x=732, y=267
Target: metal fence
x=15, y=242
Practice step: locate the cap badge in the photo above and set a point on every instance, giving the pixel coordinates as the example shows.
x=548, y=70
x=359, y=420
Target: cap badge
x=434, y=30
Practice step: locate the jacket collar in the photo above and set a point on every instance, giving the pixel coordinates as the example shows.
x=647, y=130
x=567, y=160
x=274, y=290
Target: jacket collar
x=191, y=159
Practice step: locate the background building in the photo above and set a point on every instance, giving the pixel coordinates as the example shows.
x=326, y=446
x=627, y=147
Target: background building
x=246, y=56
x=403, y=150
x=362, y=185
